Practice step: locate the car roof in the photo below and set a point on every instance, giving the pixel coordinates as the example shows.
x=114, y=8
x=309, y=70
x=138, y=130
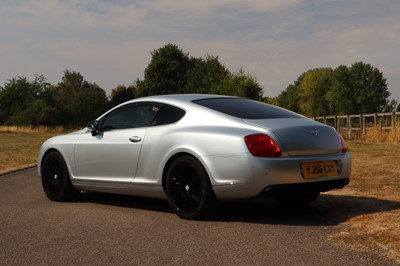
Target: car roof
x=182, y=100
x=183, y=97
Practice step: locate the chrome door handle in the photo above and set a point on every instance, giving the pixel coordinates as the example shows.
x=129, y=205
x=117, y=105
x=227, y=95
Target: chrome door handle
x=135, y=139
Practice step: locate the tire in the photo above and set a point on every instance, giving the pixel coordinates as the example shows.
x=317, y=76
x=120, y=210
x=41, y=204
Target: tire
x=297, y=200
x=188, y=189
x=56, y=181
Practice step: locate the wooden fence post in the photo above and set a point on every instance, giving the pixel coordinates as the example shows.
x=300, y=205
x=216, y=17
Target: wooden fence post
x=335, y=123
x=349, y=126
x=361, y=124
x=394, y=121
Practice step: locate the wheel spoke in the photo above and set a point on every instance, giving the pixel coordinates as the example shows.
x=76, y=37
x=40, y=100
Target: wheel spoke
x=185, y=187
x=188, y=188
x=55, y=178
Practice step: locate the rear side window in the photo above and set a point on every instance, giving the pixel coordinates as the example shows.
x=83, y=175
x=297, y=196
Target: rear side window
x=167, y=115
x=246, y=109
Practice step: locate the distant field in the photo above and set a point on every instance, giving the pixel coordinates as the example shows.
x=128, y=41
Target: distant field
x=375, y=184
x=19, y=146
x=370, y=204
x=18, y=150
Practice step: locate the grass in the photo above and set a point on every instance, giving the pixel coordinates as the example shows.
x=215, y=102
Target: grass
x=19, y=150
x=30, y=129
x=19, y=146
x=375, y=170
x=375, y=135
x=379, y=136
x=370, y=205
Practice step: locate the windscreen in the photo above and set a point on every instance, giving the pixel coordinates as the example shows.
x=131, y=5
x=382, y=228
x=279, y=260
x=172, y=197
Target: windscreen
x=246, y=109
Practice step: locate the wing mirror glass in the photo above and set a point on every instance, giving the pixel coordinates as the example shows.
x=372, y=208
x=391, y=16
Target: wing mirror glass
x=93, y=127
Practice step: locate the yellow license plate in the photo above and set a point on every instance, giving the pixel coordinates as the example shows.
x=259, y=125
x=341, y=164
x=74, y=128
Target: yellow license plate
x=319, y=169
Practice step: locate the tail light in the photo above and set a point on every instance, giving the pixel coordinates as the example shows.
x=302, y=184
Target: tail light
x=343, y=144
x=261, y=145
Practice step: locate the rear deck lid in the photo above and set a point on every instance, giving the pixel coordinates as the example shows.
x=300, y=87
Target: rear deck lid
x=301, y=136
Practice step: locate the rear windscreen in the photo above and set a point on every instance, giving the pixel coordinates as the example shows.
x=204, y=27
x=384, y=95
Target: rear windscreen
x=246, y=109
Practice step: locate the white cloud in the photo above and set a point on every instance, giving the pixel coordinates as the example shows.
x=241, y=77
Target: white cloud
x=206, y=6
x=106, y=64
x=110, y=42
x=70, y=14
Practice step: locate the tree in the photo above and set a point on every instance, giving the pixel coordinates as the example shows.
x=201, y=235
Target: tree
x=339, y=96
x=14, y=97
x=17, y=99
x=289, y=98
x=239, y=84
x=323, y=91
x=166, y=72
x=392, y=106
x=171, y=71
x=204, y=74
x=313, y=89
x=247, y=86
x=41, y=113
x=78, y=100
x=122, y=94
x=369, y=88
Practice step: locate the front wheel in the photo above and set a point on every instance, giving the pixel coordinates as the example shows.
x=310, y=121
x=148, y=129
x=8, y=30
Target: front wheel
x=188, y=188
x=56, y=181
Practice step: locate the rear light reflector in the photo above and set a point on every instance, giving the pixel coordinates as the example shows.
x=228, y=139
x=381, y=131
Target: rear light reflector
x=261, y=145
x=343, y=144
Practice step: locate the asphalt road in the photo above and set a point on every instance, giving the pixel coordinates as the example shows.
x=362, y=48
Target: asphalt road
x=102, y=229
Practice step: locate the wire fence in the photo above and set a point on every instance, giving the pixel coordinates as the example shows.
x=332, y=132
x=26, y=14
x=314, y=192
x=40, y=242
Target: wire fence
x=362, y=123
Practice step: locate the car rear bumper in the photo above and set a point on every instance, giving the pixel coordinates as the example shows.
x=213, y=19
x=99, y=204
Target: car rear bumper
x=293, y=189
x=239, y=177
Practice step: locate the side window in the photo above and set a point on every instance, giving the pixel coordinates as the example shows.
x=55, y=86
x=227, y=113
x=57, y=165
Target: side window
x=167, y=115
x=131, y=116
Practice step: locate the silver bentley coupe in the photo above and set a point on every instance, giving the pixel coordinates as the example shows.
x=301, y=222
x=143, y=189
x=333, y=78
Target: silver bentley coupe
x=195, y=150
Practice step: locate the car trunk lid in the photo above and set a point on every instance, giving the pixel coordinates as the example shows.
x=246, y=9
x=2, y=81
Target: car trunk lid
x=301, y=136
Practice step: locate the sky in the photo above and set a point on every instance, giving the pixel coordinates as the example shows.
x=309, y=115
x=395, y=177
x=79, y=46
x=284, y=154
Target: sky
x=110, y=42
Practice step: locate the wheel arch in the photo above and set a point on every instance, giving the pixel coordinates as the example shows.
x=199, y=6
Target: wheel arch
x=189, y=190
x=46, y=153
x=176, y=156
x=56, y=179
x=168, y=165
x=43, y=158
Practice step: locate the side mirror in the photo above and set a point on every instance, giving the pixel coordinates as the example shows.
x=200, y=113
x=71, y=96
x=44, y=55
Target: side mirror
x=93, y=127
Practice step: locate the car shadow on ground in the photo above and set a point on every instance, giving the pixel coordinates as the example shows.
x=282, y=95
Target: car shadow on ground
x=328, y=210
x=150, y=204
x=341, y=208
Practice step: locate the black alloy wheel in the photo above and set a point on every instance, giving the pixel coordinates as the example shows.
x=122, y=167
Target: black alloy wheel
x=56, y=181
x=188, y=188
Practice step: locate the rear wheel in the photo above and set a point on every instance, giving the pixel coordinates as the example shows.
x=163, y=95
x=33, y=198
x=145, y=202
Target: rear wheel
x=56, y=181
x=297, y=200
x=188, y=188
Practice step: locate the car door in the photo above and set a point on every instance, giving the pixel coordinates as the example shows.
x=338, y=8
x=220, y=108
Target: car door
x=110, y=157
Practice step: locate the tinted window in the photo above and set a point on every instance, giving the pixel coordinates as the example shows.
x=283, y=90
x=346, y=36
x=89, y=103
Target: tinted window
x=131, y=116
x=246, y=109
x=167, y=115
